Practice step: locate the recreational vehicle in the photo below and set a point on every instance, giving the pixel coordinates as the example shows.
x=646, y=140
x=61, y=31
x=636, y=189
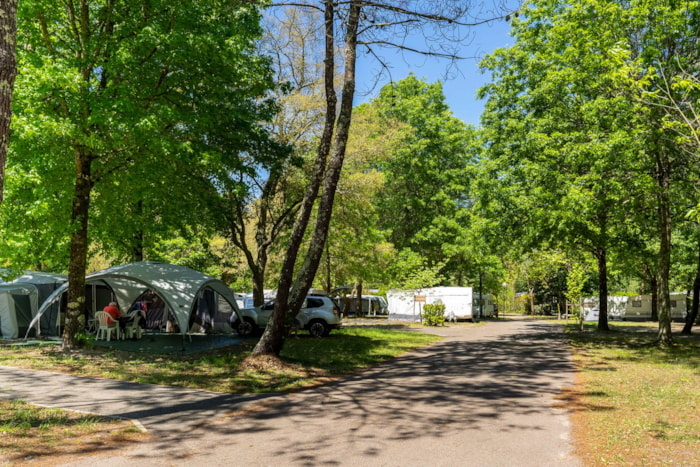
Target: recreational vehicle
x=407, y=305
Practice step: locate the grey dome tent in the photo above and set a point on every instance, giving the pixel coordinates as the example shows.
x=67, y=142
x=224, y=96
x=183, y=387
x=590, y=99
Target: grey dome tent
x=174, y=298
x=20, y=300
x=18, y=306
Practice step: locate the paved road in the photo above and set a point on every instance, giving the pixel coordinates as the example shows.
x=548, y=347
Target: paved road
x=482, y=397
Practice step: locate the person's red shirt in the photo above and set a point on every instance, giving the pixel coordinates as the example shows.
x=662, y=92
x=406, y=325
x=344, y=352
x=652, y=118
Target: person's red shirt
x=112, y=311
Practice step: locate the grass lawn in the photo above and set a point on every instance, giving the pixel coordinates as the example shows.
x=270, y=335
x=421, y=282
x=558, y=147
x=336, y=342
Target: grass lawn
x=306, y=361
x=635, y=404
x=36, y=436
x=31, y=435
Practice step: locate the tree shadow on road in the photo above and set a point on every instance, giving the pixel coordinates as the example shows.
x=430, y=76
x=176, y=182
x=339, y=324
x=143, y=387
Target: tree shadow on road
x=499, y=383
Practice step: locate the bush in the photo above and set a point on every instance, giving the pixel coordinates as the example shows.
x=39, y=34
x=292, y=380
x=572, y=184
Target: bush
x=85, y=340
x=434, y=315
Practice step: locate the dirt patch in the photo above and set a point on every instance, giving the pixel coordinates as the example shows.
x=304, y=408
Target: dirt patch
x=266, y=364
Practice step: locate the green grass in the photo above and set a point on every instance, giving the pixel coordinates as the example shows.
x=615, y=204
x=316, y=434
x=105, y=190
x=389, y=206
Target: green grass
x=635, y=403
x=19, y=417
x=350, y=349
x=308, y=361
x=31, y=435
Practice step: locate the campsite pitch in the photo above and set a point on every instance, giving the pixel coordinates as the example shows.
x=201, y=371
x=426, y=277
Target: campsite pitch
x=173, y=344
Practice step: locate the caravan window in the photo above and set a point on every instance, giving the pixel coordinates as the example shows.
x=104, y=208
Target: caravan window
x=637, y=303
x=673, y=304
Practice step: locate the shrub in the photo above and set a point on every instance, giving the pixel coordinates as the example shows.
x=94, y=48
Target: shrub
x=434, y=315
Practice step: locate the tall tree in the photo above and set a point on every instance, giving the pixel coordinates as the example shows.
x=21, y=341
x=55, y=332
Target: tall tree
x=426, y=178
x=140, y=96
x=369, y=24
x=8, y=73
x=564, y=135
x=661, y=46
x=258, y=217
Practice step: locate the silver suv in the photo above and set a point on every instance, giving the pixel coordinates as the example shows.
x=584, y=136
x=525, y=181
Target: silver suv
x=318, y=315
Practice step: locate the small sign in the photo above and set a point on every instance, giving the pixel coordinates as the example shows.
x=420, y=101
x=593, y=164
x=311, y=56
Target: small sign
x=419, y=298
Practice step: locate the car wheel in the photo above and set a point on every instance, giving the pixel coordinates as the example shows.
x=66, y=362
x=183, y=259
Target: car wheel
x=245, y=327
x=318, y=328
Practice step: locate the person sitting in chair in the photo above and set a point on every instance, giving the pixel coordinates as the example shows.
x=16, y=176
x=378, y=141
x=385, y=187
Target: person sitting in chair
x=115, y=315
x=113, y=311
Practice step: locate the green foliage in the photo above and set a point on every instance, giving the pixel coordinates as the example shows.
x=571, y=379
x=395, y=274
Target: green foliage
x=413, y=271
x=576, y=281
x=571, y=149
x=426, y=177
x=160, y=102
x=195, y=255
x=357, y=247
x=434, y=315
x=85, y=340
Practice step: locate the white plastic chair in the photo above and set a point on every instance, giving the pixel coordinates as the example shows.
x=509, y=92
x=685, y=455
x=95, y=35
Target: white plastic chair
x=104, y=329
x=133, y=329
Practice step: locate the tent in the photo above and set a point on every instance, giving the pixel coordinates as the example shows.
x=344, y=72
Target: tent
x=21, y=298
x=18, y=305
x=173, y=298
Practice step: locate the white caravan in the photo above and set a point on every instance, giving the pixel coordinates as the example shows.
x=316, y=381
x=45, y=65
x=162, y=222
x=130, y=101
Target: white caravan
x=407, y=305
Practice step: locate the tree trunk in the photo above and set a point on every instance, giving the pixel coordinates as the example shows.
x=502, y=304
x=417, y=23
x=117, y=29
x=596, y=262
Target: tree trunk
x=272, y=339
x=650, y=278
x=137, y=247
x=8, y=73
x=358, y=298
x=75, y=314
x=663, y=176
x=692, y=315
x=258, y=286
x=481, y=295
x=602, y=290
x=329, y=281
x=654, y=286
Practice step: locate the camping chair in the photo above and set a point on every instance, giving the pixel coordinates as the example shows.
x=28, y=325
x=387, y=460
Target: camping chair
x=104, y=329
x=133, y=329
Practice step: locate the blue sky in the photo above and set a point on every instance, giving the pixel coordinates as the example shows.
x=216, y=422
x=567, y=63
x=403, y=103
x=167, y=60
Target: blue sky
x=460, y=85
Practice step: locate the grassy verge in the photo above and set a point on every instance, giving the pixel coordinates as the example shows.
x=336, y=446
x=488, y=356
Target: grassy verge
x=635, y=404
x=307, y=361
x=31, y=435
x=39, y=436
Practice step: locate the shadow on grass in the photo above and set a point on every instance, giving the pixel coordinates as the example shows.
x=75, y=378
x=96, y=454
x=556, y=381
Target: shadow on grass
x=638, y=343
x=32, y=434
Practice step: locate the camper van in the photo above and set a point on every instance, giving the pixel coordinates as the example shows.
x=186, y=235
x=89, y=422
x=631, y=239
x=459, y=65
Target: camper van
x=639, y=307
x=485, y=307
x=636, y=308
x=372, y=305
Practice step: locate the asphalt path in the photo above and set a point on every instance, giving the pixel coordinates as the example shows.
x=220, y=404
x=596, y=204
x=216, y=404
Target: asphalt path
x=483, y=396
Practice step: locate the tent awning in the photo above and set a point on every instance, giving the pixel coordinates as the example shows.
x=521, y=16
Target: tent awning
x=178, y=286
